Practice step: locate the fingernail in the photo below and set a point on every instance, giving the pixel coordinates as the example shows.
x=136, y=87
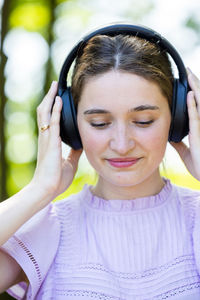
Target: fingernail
x=57, y=100
x=53, y=83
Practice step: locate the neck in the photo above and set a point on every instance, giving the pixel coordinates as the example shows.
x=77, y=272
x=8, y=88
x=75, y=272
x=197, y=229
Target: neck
x=150, y=186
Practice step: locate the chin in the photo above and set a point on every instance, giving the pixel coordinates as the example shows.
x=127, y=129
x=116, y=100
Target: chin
x=131, y=179
x=125, y=180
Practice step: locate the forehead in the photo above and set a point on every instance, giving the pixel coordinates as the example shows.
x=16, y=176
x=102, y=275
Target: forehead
x=116, y=89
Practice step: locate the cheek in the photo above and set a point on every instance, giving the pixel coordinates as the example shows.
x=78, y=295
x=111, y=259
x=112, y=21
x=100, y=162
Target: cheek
x=92, y=143
x=94, y=148
x=156, y=140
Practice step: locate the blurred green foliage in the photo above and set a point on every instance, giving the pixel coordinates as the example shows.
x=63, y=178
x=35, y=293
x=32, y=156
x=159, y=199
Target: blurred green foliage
x=59, y=24
x=54, y=20
x=31, y=16
x=193, y=22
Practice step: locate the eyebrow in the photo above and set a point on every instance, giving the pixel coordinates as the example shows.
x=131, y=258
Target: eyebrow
x=135, y=109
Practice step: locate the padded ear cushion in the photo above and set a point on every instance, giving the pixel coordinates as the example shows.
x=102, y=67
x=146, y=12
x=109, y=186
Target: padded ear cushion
x=68, y=122
x=179, y=124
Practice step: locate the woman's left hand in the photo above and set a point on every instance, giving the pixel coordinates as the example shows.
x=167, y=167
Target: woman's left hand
x=191, y=155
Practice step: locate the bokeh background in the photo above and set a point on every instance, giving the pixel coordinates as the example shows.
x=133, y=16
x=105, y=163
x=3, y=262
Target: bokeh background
x=36, y=36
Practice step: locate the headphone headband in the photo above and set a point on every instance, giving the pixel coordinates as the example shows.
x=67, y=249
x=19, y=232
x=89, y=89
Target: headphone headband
x=179, y=124
x=129, y=29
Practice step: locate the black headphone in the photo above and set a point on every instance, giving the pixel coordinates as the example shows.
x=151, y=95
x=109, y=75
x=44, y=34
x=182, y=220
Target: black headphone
x=179, y=125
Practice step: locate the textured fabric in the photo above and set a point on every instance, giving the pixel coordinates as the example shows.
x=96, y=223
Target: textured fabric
x=85, y=247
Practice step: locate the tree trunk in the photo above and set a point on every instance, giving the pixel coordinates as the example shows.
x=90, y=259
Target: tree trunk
x=3, y=59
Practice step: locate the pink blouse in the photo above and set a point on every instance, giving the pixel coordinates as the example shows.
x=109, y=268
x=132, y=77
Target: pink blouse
x=86, y=247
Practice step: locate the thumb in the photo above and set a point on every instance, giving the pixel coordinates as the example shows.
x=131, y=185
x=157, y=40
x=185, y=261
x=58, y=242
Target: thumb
x=74, y=156
x=181, y=148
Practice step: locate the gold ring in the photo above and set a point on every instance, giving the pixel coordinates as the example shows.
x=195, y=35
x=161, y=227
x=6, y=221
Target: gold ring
x=43, y=128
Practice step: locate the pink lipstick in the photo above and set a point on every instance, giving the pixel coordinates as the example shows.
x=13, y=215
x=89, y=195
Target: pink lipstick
x=122, y=162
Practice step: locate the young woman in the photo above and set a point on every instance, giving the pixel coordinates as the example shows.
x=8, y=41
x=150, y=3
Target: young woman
x=133, y=235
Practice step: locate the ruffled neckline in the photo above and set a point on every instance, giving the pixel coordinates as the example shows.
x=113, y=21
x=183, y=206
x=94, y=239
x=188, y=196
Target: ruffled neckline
x=120, y=205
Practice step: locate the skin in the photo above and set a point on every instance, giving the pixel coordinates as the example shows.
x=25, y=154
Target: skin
x=61, y=171
x=121, y=98
x=122, y=138
x=190, y=155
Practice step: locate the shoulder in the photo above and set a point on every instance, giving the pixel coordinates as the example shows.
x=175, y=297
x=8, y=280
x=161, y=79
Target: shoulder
x=72, y=203
x=189, y=204
x=186, y=196
x=188, y=201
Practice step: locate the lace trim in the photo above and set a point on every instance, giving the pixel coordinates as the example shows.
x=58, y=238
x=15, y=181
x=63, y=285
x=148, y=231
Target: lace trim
x=174, y=292
x=91, y=294
x=141, y=274
x=178, y=291
x=31, y=257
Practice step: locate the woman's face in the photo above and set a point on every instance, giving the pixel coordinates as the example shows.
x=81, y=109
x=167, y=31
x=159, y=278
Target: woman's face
x=124, y=121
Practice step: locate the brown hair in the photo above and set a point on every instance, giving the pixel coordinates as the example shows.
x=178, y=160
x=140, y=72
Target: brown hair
x=126, y=53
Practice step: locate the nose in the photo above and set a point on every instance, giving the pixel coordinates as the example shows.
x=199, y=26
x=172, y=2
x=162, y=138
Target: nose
x=122, y=140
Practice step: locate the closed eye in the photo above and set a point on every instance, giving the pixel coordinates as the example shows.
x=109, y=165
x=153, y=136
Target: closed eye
x=145, y=123
x=104, y=124
x=99, y=124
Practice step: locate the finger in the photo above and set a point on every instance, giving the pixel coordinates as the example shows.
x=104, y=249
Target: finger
x=194, y=83
x=194, y=125
x=73, y=157
x=44, y=108
x=53, y=130
x=55, y=118
x=194, y=119
x=181, y=148
x=50, y=96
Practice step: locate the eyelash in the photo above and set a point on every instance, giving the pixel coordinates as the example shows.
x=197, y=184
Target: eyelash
x=102, y=125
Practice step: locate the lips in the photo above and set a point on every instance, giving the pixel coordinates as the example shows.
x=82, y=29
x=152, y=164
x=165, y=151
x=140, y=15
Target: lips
x=123, y=159
x=123, y=162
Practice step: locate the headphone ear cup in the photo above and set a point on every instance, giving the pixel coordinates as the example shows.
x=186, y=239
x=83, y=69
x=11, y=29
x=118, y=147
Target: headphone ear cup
x=179, y=124
x=68, y=122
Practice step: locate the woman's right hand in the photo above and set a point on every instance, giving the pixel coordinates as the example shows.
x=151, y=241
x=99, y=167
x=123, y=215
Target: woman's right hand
x=53, y=173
